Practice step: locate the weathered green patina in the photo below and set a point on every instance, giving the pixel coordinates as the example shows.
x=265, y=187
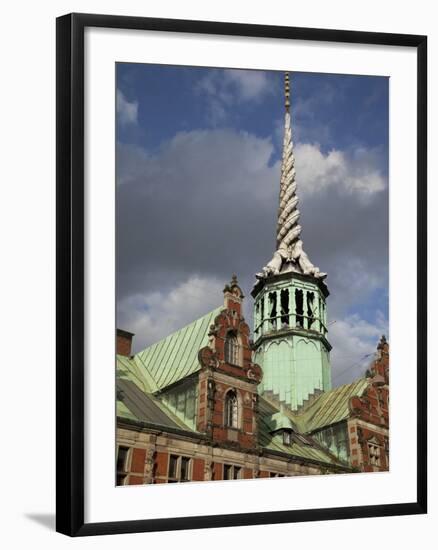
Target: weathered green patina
x=169, y=360
x=159, y=386
x=290, y=328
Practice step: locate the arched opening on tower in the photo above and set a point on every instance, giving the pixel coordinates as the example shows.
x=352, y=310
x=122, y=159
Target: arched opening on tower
x=284, y=299
x=310, y=309
x=299, y=308
x=273, y=310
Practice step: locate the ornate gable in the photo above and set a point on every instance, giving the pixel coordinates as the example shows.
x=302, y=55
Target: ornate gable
x=227, y=405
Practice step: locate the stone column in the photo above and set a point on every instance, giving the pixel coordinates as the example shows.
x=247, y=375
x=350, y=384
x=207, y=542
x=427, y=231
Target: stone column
x=149, y=464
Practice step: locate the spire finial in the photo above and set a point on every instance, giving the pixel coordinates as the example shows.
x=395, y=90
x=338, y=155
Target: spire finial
x=289, y=255
x=286, y=92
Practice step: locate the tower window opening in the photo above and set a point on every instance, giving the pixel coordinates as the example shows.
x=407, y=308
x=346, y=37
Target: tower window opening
x=310, y=309
x=299, y=308
x=257, y=318
x=273, y=309
x=231, y=409
x=232, y=349
x=284, y=299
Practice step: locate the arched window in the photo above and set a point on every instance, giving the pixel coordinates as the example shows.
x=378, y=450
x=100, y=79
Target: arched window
x=232, y=349
x=231, y=409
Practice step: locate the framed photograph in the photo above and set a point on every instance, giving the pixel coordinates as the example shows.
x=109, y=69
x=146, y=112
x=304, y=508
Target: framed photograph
x=241, y=274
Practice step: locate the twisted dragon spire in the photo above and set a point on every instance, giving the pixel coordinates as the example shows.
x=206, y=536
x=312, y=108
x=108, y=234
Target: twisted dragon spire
x=289, y=255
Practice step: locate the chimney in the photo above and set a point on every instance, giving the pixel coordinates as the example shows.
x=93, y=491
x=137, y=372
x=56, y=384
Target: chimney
x=124, y=342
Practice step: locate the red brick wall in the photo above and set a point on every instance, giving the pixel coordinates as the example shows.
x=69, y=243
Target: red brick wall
x=161, y=464
x=247, y=473
x=138, y=460
x=135, y=480
x=198, y=469
x=212, y=393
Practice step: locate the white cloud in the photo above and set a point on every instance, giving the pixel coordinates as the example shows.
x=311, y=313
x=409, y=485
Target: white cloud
x=356, y=172
x=249, y=85
x=153, y=316
x=232, y=86
x=127, y=111
x=354, y=342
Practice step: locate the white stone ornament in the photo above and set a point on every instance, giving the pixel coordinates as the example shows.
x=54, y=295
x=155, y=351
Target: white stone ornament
x=289, y=255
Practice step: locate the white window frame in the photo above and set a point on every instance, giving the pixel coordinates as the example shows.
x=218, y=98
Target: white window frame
x=179, y=459
x=232, y=349
x=234, y=421
x=232, y=468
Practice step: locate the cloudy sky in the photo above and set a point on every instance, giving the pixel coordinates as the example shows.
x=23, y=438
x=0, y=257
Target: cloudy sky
x=198, y=166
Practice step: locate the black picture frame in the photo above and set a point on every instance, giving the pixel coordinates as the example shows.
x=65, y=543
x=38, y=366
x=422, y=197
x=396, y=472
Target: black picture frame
x=70, y=272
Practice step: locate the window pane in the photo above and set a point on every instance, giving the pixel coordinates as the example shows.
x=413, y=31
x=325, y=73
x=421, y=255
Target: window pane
x=232, y=350
x=121, y=458
x=236, y=472
x=228, y=470
x=121, y=479
x=185, y=466
x=173, y=465
x=231, y=409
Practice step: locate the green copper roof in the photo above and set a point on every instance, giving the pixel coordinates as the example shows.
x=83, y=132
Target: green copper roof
x=274, y=441
x=280, y=422
x=135, y=404
x=176, y=356
x=128, y=369
x=329, y=407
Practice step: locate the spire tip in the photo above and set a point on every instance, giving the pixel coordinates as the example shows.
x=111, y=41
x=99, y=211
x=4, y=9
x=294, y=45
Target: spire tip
x=286, y=91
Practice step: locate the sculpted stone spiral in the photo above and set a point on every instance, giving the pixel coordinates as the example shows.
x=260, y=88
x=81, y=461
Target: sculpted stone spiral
x=289, y=255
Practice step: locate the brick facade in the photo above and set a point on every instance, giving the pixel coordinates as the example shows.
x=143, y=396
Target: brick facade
x=221, y=374
x=369, y=418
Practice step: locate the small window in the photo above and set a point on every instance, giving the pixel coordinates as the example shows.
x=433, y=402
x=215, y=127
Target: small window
x=173, y=467
x=122, y=465
x=179, y=469
x=274, y=474
x=232, y=349
x=121, y=478
x=287, y=439
x=232, y=472
x=122, y=458
x=231, y=409
x=185, y=468
x=374, y=454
